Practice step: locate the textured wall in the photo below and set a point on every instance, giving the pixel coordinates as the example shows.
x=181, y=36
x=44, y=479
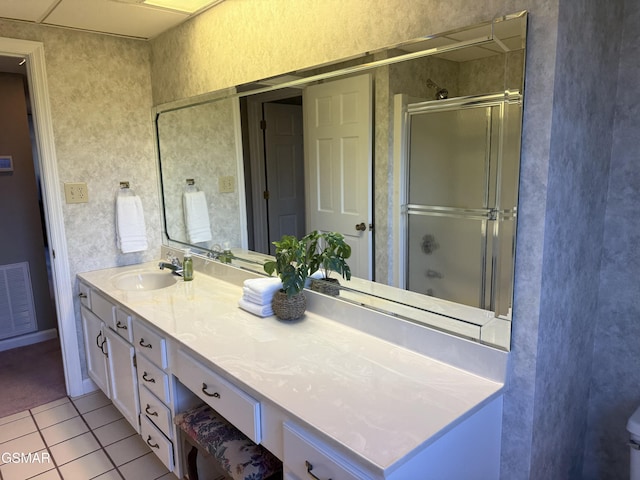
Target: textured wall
x=588, y=46
x=100, y=93
x=242, y=40
x=614, y=384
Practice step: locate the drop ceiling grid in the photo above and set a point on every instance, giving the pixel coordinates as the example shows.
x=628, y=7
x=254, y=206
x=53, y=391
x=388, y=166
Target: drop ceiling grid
x=103, y=16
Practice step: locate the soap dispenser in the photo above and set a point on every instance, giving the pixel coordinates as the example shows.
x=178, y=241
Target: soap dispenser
x=187, y=266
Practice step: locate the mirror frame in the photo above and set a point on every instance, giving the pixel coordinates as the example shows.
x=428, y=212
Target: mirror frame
x=475, y=324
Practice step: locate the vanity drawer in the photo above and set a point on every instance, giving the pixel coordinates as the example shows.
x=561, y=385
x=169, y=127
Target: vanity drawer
x=121, y=324
x=239, y=408
x=151, y=344
x=307, y=457
x=155, y=410
x=158, y=443
x=102, y=307
x=153, y=378
x=84, y=291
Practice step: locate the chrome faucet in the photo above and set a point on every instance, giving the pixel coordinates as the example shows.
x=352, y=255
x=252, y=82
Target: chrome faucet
x=172, y=264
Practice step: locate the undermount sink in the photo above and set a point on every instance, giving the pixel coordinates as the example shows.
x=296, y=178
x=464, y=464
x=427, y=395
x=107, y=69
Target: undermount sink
x=144, y=280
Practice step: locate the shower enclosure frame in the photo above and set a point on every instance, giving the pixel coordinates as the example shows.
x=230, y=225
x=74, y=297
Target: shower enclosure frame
x=404, y=108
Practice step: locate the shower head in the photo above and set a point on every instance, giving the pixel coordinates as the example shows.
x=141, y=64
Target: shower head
x=441, y=93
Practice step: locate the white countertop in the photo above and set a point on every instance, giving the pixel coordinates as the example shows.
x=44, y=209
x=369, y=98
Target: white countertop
x=379, y=400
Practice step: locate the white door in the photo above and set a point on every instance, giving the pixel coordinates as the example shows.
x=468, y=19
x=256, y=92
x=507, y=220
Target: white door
x=124, y=381
x=96, y=349
x=338, y=145
x=284, y=159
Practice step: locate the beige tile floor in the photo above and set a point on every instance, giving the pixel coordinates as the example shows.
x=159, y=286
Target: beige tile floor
x=75, y=439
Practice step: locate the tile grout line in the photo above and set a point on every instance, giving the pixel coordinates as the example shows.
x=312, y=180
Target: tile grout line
x=55, y=464
x=98, y=442
x=32, y=415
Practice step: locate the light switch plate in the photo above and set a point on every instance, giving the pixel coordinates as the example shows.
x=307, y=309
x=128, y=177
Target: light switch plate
x=76, y=192
x=226, y=184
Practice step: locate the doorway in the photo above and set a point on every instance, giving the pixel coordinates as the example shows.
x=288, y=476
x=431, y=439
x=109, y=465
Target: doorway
x=33, y=52
x=27, y=302
x=276, y=167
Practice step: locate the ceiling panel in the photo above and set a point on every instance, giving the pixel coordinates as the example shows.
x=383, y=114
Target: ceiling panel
x=29, y=10
x=119, y=17
x=113, y=17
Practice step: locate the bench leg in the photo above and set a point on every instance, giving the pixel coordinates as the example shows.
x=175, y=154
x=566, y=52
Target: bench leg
x=192, y=464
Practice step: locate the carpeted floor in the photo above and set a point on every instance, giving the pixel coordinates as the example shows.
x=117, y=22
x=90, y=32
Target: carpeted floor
x=30, y=376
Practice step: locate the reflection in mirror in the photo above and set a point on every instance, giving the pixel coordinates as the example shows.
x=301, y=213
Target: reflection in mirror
x=416, y=146
x=198, y=148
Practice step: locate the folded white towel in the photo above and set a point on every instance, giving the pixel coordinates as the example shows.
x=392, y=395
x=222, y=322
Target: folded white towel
x=196, y=217
x=259, y=310
x=263, y=288
x=131, y=232
x=257, y=298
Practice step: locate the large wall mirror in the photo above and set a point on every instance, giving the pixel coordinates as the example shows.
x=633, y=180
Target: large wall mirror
x=411, y=152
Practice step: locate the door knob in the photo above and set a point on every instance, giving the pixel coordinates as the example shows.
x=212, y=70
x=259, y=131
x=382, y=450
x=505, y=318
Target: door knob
x=361, y=227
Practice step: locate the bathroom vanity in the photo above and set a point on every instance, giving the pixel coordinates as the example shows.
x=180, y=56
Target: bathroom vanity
x=344, y=393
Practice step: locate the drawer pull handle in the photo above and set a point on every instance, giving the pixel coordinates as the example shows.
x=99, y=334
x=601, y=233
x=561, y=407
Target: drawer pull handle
x=145, y=345
x=98, y=340
x=150, y=380
x=121, y=325
x=204, y=390
x=309, y=468
x=153, y=414
x=152, y=445
x=82, y=295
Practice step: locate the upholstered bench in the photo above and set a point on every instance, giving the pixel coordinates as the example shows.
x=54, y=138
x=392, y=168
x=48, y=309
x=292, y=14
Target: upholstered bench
x=206, y=431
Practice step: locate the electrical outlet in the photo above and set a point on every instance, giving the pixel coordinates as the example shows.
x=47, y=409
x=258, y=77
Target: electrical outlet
x=76, y=192
x=226, y=184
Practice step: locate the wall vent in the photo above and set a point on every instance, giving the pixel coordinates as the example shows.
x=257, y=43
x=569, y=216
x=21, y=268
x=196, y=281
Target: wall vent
x=17, y=311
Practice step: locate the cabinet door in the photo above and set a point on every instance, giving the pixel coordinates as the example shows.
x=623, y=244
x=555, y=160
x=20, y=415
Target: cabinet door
x=124, y=382
x=95, y=349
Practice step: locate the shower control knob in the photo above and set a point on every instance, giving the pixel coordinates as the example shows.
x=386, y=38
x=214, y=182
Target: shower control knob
x=361, y=227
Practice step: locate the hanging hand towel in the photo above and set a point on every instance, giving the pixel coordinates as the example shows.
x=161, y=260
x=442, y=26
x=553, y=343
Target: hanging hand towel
x=196, y=217
x=130, y=227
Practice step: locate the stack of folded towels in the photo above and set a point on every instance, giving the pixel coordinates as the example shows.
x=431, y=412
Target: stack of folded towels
x=257, y=294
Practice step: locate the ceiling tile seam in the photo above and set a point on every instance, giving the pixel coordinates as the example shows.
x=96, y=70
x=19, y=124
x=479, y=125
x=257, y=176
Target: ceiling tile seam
x=49, y=11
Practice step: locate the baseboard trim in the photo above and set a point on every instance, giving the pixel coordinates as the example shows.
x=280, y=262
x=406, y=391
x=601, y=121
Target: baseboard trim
x=28, y=339
x=88, y=386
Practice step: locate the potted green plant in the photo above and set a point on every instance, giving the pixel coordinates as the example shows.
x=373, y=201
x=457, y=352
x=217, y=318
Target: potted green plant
x=290, y=264
x=329, y=252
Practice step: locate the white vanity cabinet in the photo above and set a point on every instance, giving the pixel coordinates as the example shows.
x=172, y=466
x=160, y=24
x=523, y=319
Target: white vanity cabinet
x=155, y=396
x=238, y=407
x=96, y=352
x=110, y=355
x=327, y=399
x=122, y=373
x=307, y=457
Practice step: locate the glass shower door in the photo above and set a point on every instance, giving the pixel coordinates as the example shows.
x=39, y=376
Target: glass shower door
x=452, y=198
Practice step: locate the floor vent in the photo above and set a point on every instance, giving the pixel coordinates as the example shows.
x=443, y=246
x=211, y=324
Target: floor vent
x=17, y=312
